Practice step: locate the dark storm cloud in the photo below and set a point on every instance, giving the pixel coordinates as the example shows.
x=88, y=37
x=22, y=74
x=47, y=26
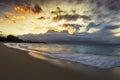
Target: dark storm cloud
x=66, y=17
x=105, y=12
x=106, y=35
x=93, y=25
x=71, y=17
x=27, y=5
x=111, y=27
x=110, y=4
x=85, y=17
x=76, y=26
x=37, y=9
x=113, y=4
x=100, y=8
x=41, y=18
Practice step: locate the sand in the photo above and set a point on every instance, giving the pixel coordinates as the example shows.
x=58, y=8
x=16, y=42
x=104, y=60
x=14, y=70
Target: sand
x=19, y=65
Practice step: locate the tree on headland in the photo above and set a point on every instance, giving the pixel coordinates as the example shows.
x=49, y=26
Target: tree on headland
x=12, y=38
x=9, y=38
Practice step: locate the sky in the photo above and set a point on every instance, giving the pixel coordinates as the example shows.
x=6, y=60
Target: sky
x=97, y=17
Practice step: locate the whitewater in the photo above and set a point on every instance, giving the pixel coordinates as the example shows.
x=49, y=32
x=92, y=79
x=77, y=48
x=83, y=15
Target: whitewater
x=99, y=56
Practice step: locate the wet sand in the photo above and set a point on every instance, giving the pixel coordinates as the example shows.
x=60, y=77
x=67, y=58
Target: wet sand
x=19, y=65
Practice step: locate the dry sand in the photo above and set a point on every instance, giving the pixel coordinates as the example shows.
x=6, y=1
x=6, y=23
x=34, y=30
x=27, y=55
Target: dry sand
x=18, y=65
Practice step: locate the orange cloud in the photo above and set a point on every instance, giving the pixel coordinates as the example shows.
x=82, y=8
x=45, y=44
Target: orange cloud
x=11, y=20
x=8, y=14
x=21, y=9
x=63, y=27
x=70, y=29
x=24, y=9
x=58, y=28
x=19, y=17
x=1, y=20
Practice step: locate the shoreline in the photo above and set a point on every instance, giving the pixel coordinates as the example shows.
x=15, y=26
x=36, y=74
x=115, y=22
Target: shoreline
x=16, y=64
x=19, y=65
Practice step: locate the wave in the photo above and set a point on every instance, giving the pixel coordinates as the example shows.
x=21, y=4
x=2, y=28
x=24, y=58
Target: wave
x=100, y=61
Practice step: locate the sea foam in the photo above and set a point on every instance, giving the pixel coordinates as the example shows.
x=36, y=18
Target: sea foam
x=100, y=61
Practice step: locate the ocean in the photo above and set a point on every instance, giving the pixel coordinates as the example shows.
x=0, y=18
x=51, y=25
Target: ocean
x=98, y=56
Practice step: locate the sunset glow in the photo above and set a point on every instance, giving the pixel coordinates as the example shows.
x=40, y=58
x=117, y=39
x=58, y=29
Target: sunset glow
x=38, y=17
x=35, y=20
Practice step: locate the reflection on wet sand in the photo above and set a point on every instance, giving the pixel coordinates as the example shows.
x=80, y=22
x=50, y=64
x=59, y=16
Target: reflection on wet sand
x=52, y=48
x=46, y=51
x=85, y=69
x=51, y=60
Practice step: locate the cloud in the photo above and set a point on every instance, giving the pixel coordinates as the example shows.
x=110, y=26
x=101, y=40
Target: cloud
x=101, y=37
x=113, y=4
x=110, y=27
x=2, y=3
x=93, y=25
x=102, y=13
x=63, y=27
x=12, y=18
x=71, y=17
x=8, y=14
x=40, y=30
x=37, y=9
x=77, y=14
x=41, y=18
x=109, y=4
x=107, y=34
x=18, y=17
x=76, y=26
x=50, y=36
x=66, y=17
x=24, y=9
x=1, y=20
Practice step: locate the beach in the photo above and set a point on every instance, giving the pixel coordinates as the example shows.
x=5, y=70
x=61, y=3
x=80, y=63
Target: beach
x=19, y=65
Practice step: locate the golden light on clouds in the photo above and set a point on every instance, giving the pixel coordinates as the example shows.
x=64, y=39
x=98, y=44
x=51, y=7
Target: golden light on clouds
x=1, y=20
x=37, y=18
x=92, y=30
x=116, y=32
x=59, y=28
x=40, y=30
x=19, y=17
x=21, y=9
x=8, y=14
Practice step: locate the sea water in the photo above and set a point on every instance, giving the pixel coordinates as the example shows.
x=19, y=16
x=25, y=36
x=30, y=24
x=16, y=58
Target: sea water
x=100, y=56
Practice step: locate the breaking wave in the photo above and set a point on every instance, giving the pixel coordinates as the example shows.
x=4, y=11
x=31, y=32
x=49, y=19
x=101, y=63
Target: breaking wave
x=100, y=61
